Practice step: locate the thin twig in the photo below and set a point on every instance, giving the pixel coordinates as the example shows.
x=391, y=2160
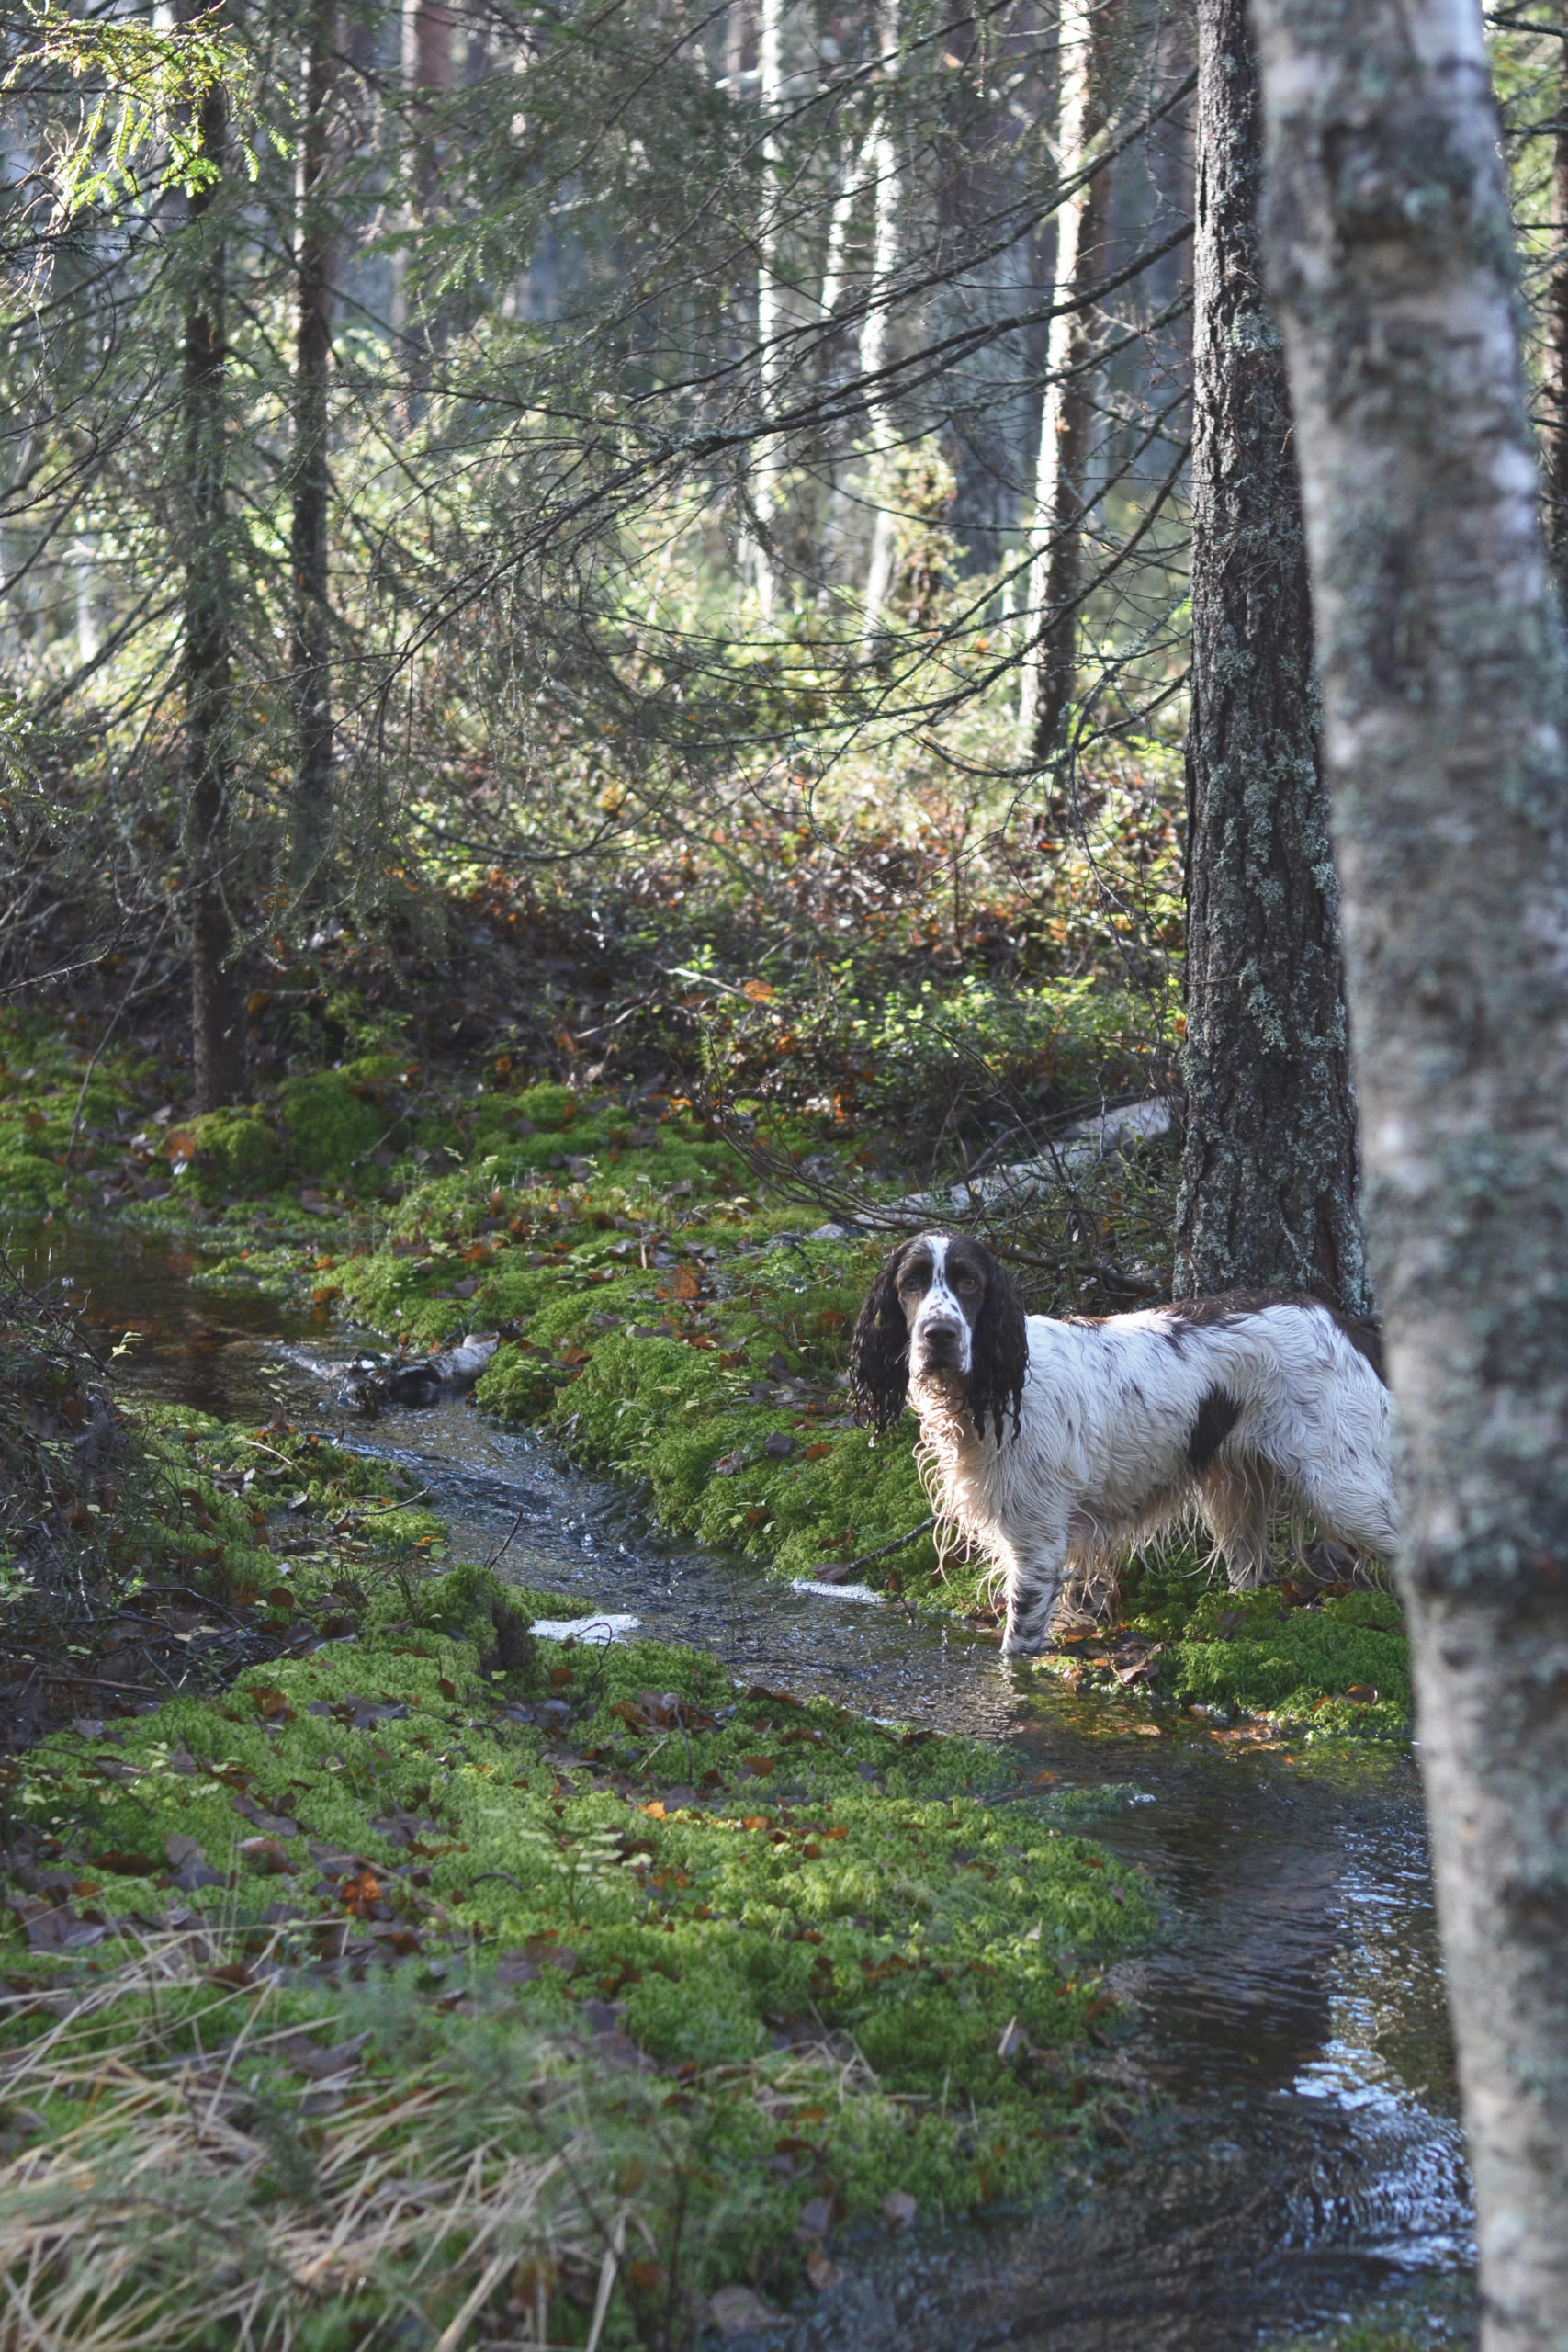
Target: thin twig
x=847, y=1567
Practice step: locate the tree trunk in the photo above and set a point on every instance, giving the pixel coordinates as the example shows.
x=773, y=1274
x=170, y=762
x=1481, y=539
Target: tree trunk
x=1442, y=664
x=874, y=339
x=217, y=1004
x=427, y=37
x=1067, y=416
x=1268, y=1174
x=311, y=670
x=1555, y=368
x=785, y=60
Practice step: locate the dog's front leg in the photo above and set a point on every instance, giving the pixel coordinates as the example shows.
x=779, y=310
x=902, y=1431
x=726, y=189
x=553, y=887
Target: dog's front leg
x=1033, y=1574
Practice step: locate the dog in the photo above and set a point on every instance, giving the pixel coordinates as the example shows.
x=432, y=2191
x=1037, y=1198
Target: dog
x=1056, y=1446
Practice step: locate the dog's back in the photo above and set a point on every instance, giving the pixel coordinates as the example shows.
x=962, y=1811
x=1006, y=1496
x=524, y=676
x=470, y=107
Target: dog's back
x=1239, y=1405
x=1056, y=1445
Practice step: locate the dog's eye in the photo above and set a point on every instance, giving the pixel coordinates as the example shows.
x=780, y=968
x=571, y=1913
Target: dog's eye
x=966, y=1281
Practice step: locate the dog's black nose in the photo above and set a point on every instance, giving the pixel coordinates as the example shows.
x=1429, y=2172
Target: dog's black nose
x=939, y=1342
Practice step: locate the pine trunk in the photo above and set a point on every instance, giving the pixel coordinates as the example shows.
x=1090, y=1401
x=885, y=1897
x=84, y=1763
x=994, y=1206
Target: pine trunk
x=1442, y=664
x=218, y=1034
x=310, y=669
x=1270, y=1169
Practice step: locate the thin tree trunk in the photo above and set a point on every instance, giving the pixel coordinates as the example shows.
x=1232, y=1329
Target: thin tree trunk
x=426, y=34
x=312, y=653
x=1554, y=371
x=735, y=27
x=1066, y=418
x=1442, y=662
x=874, y=337
x=1268, y=1174
x=217, y=1004
x=768, y=455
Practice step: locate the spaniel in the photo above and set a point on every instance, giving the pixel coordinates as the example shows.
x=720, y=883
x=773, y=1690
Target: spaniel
x=1055, y=1446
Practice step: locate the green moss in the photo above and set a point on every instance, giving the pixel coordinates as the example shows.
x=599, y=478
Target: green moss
x=838, y=1879
x=237, y=1152
x=335, y=1119
x=553, y=1108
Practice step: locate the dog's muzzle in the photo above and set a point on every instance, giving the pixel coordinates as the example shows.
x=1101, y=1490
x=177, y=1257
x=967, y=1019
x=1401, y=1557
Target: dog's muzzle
x=940, y=1347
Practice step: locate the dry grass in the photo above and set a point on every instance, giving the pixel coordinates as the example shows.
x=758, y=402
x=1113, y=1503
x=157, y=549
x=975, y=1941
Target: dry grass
x=205, y=2198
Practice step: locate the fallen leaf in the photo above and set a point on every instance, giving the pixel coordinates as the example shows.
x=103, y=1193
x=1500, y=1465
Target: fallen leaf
x=898, y=2210
x=687, y=1284
x=181, y=1849
x=823, y=2271
x=778, y=1446
x=273, y=1706
x=127, y=1865
x=761, y=1766
x=815, y=1453
x=266, y=1855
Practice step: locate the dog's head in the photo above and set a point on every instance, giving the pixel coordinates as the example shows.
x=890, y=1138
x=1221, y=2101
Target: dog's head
x=942, y=1318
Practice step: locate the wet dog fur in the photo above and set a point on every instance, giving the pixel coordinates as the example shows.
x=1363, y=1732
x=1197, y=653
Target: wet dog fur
x=1058, y=1447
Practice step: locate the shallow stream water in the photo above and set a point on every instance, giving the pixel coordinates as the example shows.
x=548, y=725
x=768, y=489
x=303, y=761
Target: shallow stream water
x=1304, y=2153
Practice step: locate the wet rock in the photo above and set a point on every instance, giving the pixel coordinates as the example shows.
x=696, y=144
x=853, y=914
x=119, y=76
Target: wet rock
x=375, y=1382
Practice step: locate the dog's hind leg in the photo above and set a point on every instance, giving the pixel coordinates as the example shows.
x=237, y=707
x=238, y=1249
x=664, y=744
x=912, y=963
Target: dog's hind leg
x=1233, y=1502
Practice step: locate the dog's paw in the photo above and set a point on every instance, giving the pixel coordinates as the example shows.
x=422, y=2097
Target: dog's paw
x=1018, y=1643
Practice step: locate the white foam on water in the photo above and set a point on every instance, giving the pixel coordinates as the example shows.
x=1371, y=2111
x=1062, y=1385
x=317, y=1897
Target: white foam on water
x=595, y=1630
x=861, y=1592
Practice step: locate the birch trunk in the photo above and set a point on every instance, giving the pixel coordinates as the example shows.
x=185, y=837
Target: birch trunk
x=875, y=335
x=311, y=676
x=1555, y=368
x=768, y=456
x=218, y=1034
x=1441, y=660
x=1054, y=576
x=1269, y=1175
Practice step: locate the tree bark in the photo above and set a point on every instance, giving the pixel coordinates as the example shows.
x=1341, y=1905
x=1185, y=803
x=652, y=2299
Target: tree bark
x=1442, y=664
x=1555, y=368
x=217, y=1033
x=875, y=338
x=1066, y=418
x=1268, y=1176
x=310, y=668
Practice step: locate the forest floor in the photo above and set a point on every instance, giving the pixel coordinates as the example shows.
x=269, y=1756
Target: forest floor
x=400, y=1965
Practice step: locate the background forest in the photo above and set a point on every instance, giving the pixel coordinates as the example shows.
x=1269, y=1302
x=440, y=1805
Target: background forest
x=635, y=639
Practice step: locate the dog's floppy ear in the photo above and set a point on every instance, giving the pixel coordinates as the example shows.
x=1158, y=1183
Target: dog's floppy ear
x=1000, y=1356
x=879, y=1350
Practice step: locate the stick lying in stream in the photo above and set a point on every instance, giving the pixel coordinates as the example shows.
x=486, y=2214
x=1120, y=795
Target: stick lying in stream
x=840, y=1571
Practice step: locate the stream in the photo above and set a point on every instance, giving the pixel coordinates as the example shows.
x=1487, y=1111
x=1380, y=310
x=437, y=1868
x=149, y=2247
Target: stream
x=1303, y=2153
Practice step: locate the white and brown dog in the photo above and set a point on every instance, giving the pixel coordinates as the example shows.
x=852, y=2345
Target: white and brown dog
x=1054, y=1447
